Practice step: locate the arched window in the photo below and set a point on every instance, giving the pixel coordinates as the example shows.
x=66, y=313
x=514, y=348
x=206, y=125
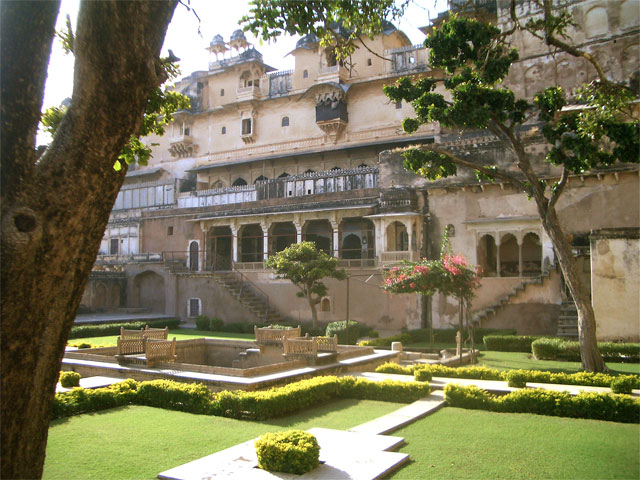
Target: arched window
x=283, y=175
x=305, y=74
x=224, y=130
x=239, y=182
x=363, y=165
x=261, y=178
x=487, y=254
x=335, y=168
x=285, y=121
x=310, y=171
x=222, y=92
x=368, y=62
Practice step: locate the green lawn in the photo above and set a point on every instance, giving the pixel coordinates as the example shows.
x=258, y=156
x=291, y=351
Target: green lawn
x=516, y=360
x=456, y=443
x=138, y=442
x=179, y=333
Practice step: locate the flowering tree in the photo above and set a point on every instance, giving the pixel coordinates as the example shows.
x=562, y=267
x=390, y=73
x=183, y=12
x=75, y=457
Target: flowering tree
x=451, y=276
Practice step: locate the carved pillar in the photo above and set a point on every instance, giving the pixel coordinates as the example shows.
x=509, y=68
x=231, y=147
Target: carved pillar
x=234, y=241
x=335, y=246
x=520, y=262
x=409, y=240
x=297, y=222
x=498, y=242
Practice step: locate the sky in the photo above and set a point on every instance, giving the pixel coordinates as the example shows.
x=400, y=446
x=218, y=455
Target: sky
x=188, y=37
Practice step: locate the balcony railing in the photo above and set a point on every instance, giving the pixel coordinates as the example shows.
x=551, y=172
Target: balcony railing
x=391, y=258
x=105, y=259
x=248, y=93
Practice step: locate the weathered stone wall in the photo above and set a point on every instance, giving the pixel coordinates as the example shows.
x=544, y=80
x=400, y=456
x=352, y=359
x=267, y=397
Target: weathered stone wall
x=615, y=283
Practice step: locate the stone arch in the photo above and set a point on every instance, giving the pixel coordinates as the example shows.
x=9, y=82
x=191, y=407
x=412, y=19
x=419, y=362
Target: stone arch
x=251, y=243
x=325, y=304
x=596, y=22
x=101, y=296
x=320, y=233
x=487, y=253
x=397, y=237
x=194, y=256
x=115, y=298
x=531, y=254
x=149, y=291
x=358, y=238
x=509, y=255
x=261, y=178
x=629, y=14
x=239, y=182
x=281, y=235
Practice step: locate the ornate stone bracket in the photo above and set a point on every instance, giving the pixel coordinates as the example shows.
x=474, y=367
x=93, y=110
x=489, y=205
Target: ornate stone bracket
x=333, y=128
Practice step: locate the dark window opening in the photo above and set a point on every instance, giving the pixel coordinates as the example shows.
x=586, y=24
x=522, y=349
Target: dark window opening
x=114, y=246
x=305, y=74
x=283, y=175
x=222, y=92
x=194, y=307
x=224, y=130
x=239, y=182
x=261, y=178
x=169, y=230
x=399, y=104
x=246, y=126
x=285, y=121
x=368, y=62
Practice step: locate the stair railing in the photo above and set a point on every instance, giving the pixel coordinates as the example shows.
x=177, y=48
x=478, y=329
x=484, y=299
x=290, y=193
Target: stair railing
x=255, y=289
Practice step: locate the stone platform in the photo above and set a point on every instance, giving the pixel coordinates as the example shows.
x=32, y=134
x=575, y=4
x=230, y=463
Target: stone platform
x=345, y=455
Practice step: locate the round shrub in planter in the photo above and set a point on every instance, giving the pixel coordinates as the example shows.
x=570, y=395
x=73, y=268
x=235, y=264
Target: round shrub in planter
x=69, y=379
x=294, y=451
x=516, y=378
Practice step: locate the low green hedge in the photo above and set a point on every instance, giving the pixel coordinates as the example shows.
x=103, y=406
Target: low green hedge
x=105, y=329
x=596, y=406
x=69, y=379
x=356, y=330
x=294, y=451
x=439, y=335
x=536, y=376
x=261, y=405
x=509, y=343
x=559, y=349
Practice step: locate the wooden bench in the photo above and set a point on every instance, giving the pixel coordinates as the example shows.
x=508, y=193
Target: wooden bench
x=155, y=333
x=126, y=333
x=156, y=351
x=309, y=346
x=275, y=335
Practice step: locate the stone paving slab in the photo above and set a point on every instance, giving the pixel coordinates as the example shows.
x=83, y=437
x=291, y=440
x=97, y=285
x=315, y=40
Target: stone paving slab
x=403, y=416
x=92, y=382
x=346, y=455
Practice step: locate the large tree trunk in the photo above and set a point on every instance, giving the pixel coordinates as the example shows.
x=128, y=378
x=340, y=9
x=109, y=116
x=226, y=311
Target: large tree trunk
x=590, y=354
x=54, y=212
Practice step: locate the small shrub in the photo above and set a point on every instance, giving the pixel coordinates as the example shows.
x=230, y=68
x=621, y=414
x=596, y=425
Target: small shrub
x=624, y=384
x=294, y=451
x=517, y=378
x=186, y=397
x=391, y=367
x=70, y=379
x=509, y=343
x=203, y=322
x=340, y=328
x=422, y=375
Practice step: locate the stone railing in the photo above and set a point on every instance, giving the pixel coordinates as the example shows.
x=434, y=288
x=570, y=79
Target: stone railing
x=300, y=346
x=390, y=258
x=217, y=196
x=406, y=59
x=131, y=258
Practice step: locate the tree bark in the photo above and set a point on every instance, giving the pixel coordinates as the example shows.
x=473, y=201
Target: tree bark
x=54, y=212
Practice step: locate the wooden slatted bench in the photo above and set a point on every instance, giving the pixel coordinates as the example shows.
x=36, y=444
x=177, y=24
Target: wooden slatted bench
x=157, y=351
x=155, y=333
x=275, y=335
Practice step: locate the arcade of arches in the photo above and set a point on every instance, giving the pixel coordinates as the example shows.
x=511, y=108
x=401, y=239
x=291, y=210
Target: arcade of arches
x=517, y=254
x=349, y=238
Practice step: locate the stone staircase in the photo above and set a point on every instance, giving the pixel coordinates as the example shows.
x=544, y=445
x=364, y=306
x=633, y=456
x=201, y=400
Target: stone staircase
x=568, y=321
x=246, y=293
x=492, y=309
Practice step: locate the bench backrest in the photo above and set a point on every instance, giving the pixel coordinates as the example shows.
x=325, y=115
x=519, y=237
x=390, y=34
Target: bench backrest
x=155, y=333
x=126, y=333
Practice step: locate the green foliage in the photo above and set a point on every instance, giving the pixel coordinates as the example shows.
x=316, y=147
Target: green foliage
x=52, y=117
x=104, y=329
x=293, y=451
x=556, y=348
x=334, y=23
x=209, y=324
x=440, y=335
x=69, y=379
x=614, y=408
x=423, y=375
x=624, y=384
x=186, y=397
x=391, y=367
x=261, y=405
x=509, y=343
x=356, y=330
x=516, y=378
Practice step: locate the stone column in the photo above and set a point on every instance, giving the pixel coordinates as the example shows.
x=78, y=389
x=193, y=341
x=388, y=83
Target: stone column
x=298, y=231
x=409, y=239
x=234, y=241
x=265, y=241
x=520, y=262
x=336, y=238
x=498, y=254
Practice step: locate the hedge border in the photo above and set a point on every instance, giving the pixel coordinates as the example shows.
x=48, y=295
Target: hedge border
x=260, y=405
x=595, y=406
x=106, y=329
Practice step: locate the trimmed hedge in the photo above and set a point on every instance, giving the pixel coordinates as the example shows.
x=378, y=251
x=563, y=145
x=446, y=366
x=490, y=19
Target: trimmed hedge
x=509, y=343
x=208, y=324
x=69, y=379
x=624, y=384
x=559, y=349
x=105, y=329
x=356, y=330
x=536, y=376
x=596, y=406
x=294, y=451
x=439, y=335
x=261, y=405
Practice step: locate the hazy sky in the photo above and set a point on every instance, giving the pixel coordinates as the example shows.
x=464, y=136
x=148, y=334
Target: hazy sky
x=216, y=17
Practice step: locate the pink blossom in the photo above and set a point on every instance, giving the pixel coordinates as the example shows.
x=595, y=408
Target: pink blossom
x=412, y=285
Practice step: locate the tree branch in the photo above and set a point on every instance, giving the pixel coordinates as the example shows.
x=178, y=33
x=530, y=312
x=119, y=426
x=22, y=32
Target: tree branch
x=564, y=178
x=474, y=166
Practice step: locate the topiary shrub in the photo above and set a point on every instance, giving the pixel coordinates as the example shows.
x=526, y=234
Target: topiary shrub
x=422, y=375
x=70, y=379
x=294, y=451
x=624, y=384
x=517, y=378
x=203, y=322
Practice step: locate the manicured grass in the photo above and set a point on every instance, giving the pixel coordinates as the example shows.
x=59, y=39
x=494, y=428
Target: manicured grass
x=179, y=333
x=138, y=442
x=516, y=360
x=456, y=443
